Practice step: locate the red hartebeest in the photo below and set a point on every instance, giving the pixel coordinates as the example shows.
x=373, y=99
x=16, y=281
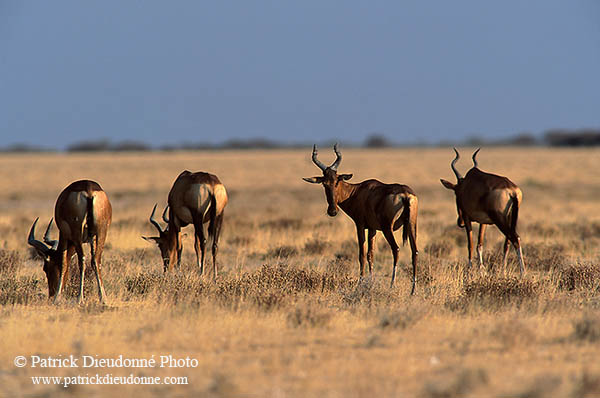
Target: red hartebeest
x=195, y=198
x=374, y=206
x=487, y=199
x=83, y=214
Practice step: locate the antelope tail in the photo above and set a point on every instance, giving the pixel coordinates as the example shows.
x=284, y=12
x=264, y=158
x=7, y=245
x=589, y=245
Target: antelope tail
x=89, y=224
x=213, y=215
x=514, y=212
x=406, y=217
x=410, y=218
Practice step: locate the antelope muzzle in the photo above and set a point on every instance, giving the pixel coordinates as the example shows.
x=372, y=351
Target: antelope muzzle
x=332, y=211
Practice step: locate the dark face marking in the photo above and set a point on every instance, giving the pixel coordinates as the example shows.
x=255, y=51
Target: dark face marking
x=52, y=271
x=330, y=183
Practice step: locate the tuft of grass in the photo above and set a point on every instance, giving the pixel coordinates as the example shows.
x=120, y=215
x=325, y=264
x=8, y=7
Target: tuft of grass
x=399, y=320
x=282, y=252
x=513, y=333
x=580, y=276
x=143, y=284
x=10, y=261
x=308, y=316
x=21, y=290
x=454, y=384
x=366, y=292
x=282, y=223
x=493, y=293
x=544, y=257
x=587, y=385
x=587, y=329
x=316, y=246
x=441, y=247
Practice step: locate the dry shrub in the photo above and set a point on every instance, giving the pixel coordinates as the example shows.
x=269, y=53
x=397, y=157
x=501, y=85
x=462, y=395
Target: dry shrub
x=308, y=316
x=286, y=278
x=143, y=284
x=544, y=256
x=366, y=292
x=349, y=248
x=123, y=223
x=587, y=386
x=512, y=333
x=341, y=265
x=542, y=229
x=283, y=252
x=454, y=234
x=400, y=320
x=580, y=276
x=360, y=292
x=134, y=256
x=222, y=386
x=295, y=280
x=240, y=241
x=282, y=223
x=492, y=293
x=424, y=276
x=270, y=286
x=587, y=329
x=270, y=300
x=182, y=287
x=316, y=246
x=10, y=261
x=582, y=230
x=441, y=247
x=545, y=385
x=451, y=384
x=94, y=308
x=22, y=290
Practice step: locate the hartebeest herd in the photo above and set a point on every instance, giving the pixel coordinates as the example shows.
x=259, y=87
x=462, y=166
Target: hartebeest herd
x=83, y=214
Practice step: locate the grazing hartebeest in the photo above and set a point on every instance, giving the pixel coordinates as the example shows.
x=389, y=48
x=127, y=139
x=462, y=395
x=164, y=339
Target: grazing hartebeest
x=374, y=206
x=195, y=198
x=487, y=199
x=83, y=214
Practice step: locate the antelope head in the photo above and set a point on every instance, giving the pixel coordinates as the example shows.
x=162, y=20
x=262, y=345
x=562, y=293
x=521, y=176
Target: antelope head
x=459, y=181
x=164, y=241
x=48, y=250
x=330, y=179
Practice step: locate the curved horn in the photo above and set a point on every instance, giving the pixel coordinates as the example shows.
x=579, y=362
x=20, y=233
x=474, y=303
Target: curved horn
x=38, y=245
x=164, y=216
x=458, y=175
x=475, y=160
x=52, y=243
x=338, y=160
x=316, y=161
x=153, y=221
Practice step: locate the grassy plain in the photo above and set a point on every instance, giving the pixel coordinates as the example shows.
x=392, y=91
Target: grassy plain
x=288, y=316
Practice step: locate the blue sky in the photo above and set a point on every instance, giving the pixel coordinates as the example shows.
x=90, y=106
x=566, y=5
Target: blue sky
x=198, y=71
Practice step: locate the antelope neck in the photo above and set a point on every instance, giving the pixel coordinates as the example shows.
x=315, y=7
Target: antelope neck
x=344, y=191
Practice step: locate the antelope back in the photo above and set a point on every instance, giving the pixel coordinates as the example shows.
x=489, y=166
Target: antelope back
x=481, y=193
x=191, y=194
x=83, y=203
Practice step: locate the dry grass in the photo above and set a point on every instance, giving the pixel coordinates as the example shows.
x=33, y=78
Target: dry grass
x=288, y=315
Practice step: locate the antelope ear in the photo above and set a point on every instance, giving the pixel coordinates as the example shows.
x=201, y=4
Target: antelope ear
x=344, y=177
x=151, y=238
x=313, y=180
x=448, y=184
